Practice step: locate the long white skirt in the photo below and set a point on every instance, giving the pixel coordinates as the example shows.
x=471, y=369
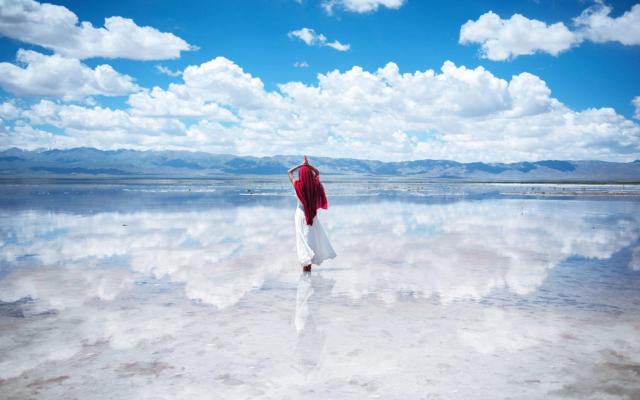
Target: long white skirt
x=312, y=242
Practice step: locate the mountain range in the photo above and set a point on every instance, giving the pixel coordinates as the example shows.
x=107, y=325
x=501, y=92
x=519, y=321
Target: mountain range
x=90, y=162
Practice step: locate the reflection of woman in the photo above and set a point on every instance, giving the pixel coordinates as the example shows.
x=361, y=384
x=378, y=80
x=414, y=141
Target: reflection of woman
x=308, y=320
x=312, y=242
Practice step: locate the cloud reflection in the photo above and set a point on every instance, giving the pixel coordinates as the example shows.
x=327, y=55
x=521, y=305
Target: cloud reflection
x=218, y=254
x=453, y=251
x=466, y=250
x=144, y=280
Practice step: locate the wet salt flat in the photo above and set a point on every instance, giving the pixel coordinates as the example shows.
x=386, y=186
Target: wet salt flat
x=185, y=290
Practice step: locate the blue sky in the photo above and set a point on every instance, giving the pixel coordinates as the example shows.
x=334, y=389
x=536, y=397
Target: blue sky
x=589, y=71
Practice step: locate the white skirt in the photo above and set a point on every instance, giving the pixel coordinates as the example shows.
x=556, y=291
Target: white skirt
x=312, y=241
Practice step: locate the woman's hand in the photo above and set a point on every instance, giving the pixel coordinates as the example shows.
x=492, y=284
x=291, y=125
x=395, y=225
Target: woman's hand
x=294, y=169
x=302, y=164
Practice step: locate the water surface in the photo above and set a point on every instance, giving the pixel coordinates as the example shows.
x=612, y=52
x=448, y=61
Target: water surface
x=191, y=289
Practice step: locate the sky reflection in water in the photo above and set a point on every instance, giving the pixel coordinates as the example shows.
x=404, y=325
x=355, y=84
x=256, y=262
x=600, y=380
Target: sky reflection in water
x=200, y=295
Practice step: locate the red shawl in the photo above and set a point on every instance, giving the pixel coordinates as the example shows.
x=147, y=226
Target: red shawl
x=310, y=192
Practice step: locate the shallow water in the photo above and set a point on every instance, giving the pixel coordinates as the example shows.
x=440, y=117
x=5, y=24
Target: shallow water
x=183, y=290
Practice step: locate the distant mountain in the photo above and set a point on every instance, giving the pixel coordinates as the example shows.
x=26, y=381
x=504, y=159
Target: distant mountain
x=88, y=162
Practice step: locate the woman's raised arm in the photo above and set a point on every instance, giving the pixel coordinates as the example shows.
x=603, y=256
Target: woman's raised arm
x=291, y=171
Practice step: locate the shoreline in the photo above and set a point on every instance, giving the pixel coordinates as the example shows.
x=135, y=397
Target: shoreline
x=327, y=178
x=579, y=194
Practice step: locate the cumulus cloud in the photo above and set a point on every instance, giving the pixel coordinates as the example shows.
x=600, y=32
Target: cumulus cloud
x=456, y=113
x=360, y=6
x=502, y=39
x=160, y=103
x=37, y=74
x=636, y=105
x=221, y=80
x=8, y=110
x=311, y=38
x=87, y=126
x=73, y=118
x=57, y=28
x=596, y=25
x=25, y=136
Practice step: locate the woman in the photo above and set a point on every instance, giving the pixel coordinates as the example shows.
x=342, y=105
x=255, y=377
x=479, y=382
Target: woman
x=312, y=243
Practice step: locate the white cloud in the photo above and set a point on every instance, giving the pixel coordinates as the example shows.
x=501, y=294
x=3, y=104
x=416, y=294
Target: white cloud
x=25, y=136
x=360, y=6
x=338, y=46
x=311, y=38
x=307, y=35
x=530, y=95
x=161, y=103
x=455, y=113
x=8, y=110
x=222, y=81
x=596, y=25
x=301, y=64
x=54, y=75
x=57, y=28
x=91, y=126
x=502, y=39
x=636, y=104
x=168, y=71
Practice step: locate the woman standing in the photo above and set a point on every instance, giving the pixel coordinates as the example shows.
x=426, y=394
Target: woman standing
x=312, y=243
